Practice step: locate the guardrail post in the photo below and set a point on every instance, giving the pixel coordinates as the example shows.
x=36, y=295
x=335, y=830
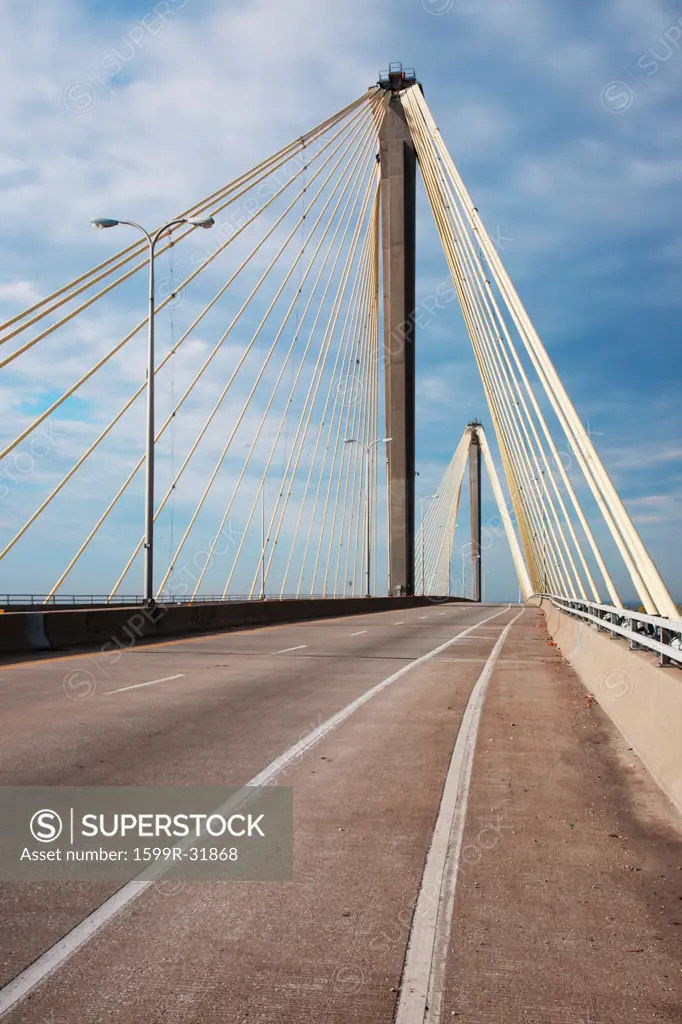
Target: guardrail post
x=665, y=638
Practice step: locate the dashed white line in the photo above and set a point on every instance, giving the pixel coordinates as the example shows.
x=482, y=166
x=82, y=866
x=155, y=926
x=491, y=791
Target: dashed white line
x=152, y=682
x=401, y=623
x=287, y=649
x=423, y=616
x=359, y=632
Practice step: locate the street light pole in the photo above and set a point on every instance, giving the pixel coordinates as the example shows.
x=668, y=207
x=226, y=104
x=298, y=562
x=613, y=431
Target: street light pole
x=152, y=238
x=262, y=557
x=368, y=523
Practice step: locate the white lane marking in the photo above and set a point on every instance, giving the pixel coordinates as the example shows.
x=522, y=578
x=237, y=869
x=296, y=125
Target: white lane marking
x=423, y=616
x=287, y=649
x=152, y=682
x=424, y=972
x=359, y=632
x=401, y=623
x=25, y=982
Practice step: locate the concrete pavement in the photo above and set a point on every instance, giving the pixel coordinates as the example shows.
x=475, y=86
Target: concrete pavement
x=549, y=906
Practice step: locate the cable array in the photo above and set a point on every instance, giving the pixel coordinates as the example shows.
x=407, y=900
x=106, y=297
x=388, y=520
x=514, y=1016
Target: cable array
x=543, y=496
x=268, y=469
x=436, y=534
x=290, y=337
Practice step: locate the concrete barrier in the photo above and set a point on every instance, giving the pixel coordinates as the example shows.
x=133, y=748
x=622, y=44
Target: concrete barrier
x=643, y=699
x=120, y=627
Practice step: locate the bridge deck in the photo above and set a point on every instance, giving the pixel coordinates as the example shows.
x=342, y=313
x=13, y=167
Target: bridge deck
x=568, y=895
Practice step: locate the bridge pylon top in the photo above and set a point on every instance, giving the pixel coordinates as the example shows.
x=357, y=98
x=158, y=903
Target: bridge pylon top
x=397, y=77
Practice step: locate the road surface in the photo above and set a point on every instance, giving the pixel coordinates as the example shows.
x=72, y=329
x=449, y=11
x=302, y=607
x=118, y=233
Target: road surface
x=523, y=868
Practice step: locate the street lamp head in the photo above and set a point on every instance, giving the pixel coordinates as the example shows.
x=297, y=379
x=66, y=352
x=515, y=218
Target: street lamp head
x=385, y=440
x=350, y=440
x=104, y=222
x=200, y=222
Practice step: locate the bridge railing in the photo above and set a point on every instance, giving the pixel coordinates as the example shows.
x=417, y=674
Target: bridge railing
x=642, y=632
x=41, y=601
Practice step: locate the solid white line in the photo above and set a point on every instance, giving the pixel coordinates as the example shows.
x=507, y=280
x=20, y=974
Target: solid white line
x=25, y=982
x=359, y=632
x=287, y=649
x=152, y=682
x=424, y=972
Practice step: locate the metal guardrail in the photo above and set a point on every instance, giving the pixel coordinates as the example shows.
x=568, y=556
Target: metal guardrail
x=643, y=632
x=41, y=601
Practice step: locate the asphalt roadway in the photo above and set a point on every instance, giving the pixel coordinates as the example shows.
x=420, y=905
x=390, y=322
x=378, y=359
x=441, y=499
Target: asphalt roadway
x=521, y=868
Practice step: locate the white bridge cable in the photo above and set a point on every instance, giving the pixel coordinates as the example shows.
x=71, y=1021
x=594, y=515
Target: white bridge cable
x=351, y=351
x=360, y=120
x=498, y=323
x=183, y=234
x=286, y=484
x=223, y=196
x=253, y=340
x=317, y=371
x=345, y=145
x=351, y=535
x=344, y=427
x=544, y=428
x=517, y=417
x=142, y=387
x=435, y=537
x=512, y=540
x=352, y=458
x=372, y=432
x=641, y=568
x=349, y=178
x=448, y=494
x=534, y=512
x=448, y=241
x=342, y=359
x=483, y=332
x=447, y=510
x=429, y=536
x=289, y=475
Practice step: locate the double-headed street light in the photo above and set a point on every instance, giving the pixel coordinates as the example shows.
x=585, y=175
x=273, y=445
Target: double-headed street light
x=152, y=239
x=368, y=448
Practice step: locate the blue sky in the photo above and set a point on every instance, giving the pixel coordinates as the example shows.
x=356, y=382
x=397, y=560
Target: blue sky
x=565, y=125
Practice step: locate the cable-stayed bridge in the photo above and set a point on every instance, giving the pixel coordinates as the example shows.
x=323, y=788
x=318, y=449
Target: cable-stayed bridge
x=275, y=333
x=470, y=803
